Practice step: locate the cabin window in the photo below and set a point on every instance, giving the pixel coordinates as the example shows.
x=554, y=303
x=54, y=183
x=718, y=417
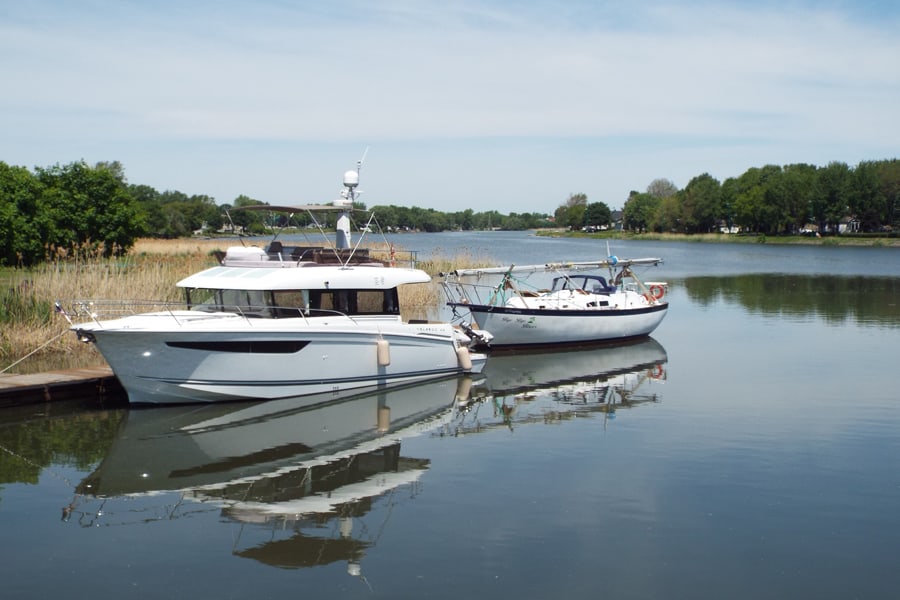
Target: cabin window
x=294, y=303
x=251, y=302
x=247, y=301
x=592, y=283
x=201, y=299
x=356, y=302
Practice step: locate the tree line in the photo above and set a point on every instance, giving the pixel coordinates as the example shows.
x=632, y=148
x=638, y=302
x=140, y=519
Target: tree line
x=774, y=200
x=79, y=209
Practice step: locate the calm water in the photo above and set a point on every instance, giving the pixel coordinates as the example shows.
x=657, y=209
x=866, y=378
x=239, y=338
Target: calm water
x=750, y=448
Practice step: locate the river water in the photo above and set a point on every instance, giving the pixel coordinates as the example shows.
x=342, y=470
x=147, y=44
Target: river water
x=750, y=448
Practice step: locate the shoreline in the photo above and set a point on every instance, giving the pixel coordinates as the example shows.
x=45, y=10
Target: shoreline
x=730, y=238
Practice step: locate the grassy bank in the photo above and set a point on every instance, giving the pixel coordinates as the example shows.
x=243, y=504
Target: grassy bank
x=31, y=329
x=723, y=238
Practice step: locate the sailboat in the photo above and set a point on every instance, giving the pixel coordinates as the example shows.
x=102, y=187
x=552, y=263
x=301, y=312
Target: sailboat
x=585, y=303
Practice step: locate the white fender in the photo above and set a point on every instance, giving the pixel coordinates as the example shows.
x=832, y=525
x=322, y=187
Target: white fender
x=464, y=358
x=384, y=352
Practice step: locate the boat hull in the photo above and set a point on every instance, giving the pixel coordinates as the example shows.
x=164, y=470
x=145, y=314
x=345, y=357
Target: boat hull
x=525, y=327
x=228, y=359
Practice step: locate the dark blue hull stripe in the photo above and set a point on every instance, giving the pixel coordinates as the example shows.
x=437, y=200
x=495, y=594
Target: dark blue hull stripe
x=580, y=313
x=305, y=382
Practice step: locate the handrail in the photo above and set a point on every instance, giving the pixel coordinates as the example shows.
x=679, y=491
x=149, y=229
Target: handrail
x=103, y=310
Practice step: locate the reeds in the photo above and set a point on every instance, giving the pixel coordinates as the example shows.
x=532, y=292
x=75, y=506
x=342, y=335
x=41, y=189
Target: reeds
x=31, y=326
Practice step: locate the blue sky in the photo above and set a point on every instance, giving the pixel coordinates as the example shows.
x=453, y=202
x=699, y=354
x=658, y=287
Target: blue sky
x=511, y=106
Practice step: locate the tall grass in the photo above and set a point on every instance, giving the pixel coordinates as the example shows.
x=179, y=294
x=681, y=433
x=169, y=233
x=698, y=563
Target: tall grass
x=30, y=325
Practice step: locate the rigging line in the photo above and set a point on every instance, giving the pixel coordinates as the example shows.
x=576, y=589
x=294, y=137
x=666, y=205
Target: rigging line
x=38, y=349
x=235, y=540
x=31, y=463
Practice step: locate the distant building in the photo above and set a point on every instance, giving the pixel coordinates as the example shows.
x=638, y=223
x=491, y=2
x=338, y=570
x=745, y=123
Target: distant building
x=849, y=225
x=616, y=217
x=723, y=227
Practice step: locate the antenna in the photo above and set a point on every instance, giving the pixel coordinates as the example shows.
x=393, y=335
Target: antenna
x=348, y=197
x=360, y=161
x=351, y=182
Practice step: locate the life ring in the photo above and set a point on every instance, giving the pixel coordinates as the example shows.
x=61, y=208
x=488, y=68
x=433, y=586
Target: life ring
x=657, y=291
x=656, y=372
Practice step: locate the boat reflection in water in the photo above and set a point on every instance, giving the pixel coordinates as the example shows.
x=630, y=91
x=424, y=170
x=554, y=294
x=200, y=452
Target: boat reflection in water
x=300, y=476
x=311, y=486
x=547, y=387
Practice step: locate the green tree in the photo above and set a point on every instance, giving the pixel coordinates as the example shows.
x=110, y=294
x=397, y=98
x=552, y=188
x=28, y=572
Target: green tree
x=729, y=194
x=662, y=188
x=751, y=193
x=889, y=181
x=701, y=204
x=799, y=188
x=466, y=219
x=667, y=216
x=148, y=199
x=20, y=242
x=386, y=216
x=832, y=197
x=89, y=208
x=432, y=221
x=571, y=213
x=487, y=220
x=246, y=220
x=639, y=211
x=865, y=197
x=597, y=214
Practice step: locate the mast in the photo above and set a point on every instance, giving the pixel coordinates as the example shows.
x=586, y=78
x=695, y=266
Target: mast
x=348, y=196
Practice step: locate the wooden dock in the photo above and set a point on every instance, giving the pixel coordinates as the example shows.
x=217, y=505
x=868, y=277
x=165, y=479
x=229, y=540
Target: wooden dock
x=52, y=386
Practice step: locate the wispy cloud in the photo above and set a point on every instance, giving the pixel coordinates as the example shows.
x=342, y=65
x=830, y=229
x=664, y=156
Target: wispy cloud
x=727, y=85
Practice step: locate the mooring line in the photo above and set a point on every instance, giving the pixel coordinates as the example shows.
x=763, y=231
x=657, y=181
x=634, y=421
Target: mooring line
x=38, y=349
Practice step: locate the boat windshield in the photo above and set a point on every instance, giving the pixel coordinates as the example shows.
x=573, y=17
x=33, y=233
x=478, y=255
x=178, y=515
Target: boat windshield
x=590, y=283
x=294, y=303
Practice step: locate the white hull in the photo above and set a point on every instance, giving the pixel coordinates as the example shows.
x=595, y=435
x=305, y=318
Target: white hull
x=539, y=327
x=180, y=357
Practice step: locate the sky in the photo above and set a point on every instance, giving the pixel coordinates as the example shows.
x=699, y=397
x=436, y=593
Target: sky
x=506, y=105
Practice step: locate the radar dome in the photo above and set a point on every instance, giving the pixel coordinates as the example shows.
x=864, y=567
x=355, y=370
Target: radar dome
x=351, y=179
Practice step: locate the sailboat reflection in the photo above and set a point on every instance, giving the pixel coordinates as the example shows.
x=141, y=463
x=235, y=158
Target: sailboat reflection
x=311, y=486
x=306, y=472
x=554, y=386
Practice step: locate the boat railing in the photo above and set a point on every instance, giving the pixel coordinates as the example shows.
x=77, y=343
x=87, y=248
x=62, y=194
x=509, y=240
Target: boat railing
x=115, y=309
x=277, y=255
x=492, y=294
x=105, y=310
x=464, y=292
